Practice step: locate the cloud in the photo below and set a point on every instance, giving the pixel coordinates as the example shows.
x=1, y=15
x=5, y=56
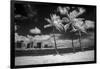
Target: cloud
x=29, y=38
x=64, y=41
x=49, y=40
x=17, y=37
x=41, y=37
x=89, y=24
x=20, y=38
x=35, y=31
x=89, y=41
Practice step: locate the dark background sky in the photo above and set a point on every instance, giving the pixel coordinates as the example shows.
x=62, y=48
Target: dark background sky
x=33, y=14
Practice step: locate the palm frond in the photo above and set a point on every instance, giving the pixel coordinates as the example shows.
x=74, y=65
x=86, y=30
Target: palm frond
x=65, y=19
x=75, y=13
x=48, y=20
x=66, y=27
x=84, y=30
x=54, y=21
x=63, y=10
x=59, y=26
x=74, y=29
x=79, y=25
x=81, y=11
x=46, y=26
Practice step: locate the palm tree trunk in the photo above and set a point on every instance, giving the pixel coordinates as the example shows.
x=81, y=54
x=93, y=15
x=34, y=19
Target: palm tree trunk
x=80, y=41
x=55, y=42
x=73, y=45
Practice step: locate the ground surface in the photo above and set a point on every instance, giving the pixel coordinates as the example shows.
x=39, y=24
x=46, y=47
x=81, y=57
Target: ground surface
x=66, y=57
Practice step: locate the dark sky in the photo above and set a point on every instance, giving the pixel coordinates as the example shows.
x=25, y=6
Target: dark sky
x=33, y=14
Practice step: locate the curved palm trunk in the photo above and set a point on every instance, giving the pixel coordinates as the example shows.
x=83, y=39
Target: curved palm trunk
x=73, y=45
x=55, y=42
x=80, y=41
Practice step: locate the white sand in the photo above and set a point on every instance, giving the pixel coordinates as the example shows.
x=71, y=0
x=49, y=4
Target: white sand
x=69, y=57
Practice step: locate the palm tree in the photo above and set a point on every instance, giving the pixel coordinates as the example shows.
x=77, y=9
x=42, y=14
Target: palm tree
x=55, y=22
x=68, y=25
x=78, y=23
x=72, y=21
x=64, y=11
x=80, y=27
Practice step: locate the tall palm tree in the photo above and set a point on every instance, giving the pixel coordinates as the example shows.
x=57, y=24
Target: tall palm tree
x=72, y=21
x=71, y=26
x=76, y=25
x=80, y=27
x=67, y=20
x=55, y=22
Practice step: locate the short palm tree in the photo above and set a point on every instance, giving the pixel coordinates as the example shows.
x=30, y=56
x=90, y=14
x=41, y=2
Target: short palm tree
x=55, y=22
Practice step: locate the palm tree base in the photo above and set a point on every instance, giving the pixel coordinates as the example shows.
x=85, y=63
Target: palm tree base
x=56, y=54
x=82, y=49
x=74, y=51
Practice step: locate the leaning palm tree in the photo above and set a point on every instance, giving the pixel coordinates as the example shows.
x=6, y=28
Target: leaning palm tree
x=55, y=22
x=77, y=23
x=79, y=26
x=72, y=21
x=67, y=20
